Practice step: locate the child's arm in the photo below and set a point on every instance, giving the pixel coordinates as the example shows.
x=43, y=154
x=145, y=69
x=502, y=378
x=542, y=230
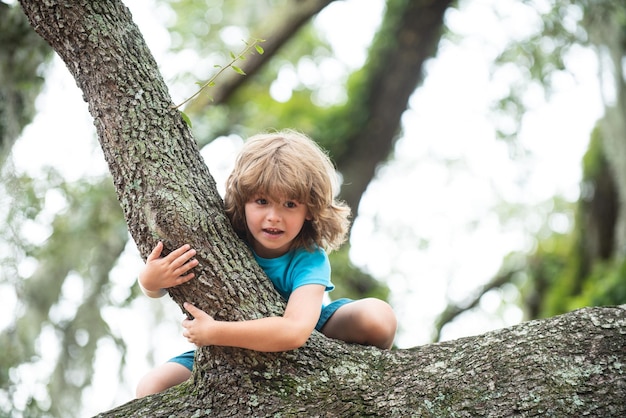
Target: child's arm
x=169, y=271
x=277, y=333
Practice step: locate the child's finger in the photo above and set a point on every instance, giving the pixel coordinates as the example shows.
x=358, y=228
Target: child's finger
x=192, y=309
x=156, y=251
x=186, y=278
x=184, y=258
x=178, y=252
x=186, y=266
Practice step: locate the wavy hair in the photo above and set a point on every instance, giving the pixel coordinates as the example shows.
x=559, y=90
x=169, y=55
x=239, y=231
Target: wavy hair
x=288, y=164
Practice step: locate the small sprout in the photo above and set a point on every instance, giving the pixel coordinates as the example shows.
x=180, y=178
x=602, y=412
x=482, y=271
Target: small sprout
x=211, y=81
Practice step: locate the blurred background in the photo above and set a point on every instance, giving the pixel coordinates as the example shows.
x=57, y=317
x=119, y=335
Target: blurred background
x=482, y=146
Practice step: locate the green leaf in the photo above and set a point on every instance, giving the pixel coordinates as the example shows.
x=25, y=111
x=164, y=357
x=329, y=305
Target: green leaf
x=238, y=70
x=259, y=49
x=185, y=118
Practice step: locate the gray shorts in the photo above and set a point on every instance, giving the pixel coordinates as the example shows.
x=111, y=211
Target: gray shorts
x=186, y=358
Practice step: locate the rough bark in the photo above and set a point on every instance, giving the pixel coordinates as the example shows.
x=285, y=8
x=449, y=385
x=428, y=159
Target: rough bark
x=566, y=366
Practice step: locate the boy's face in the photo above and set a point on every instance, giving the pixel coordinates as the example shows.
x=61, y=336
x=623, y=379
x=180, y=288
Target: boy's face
x=274, y=223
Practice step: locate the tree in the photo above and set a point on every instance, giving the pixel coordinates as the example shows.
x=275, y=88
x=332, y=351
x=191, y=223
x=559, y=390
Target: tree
x=167, y=193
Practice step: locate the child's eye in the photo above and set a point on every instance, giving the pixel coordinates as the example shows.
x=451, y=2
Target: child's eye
x=291, y=205
x=260, y=201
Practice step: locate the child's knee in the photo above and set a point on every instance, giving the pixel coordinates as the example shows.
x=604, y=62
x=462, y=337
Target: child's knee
x=367, y=321
x=382, y=324
x=377, y=323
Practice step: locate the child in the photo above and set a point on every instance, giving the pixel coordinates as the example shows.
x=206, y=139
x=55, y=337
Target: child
x=280, y=200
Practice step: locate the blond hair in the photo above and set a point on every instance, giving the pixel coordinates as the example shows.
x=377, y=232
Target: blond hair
x=288, y=164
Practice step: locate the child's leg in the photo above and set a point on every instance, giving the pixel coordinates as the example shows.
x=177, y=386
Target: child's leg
x=366, y=321
x=162, y=377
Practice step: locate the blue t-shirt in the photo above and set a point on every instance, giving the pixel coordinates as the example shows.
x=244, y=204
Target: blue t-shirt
x=287, y=273
x=297, y=268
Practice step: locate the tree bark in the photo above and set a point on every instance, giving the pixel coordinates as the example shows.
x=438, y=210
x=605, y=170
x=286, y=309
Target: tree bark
x=569, y=365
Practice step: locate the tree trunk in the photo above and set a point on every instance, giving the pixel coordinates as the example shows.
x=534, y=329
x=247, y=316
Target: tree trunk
x=568, y=365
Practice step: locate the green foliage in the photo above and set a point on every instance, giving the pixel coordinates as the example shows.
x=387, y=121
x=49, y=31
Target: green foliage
x=606, y=285
x=552, y=277
x=594, y=160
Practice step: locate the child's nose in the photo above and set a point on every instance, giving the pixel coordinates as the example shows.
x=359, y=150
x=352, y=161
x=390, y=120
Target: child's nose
x=273, y=213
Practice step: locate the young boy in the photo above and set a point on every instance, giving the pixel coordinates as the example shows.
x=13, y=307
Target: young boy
x=280, y=199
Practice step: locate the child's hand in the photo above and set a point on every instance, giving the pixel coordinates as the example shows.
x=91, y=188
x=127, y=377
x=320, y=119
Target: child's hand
x=197, y=330
x=169, y=271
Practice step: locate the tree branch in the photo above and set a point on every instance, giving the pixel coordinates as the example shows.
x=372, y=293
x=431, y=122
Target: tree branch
x=566, y=366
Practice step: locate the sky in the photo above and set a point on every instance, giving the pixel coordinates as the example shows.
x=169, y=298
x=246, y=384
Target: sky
x=427, y=225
